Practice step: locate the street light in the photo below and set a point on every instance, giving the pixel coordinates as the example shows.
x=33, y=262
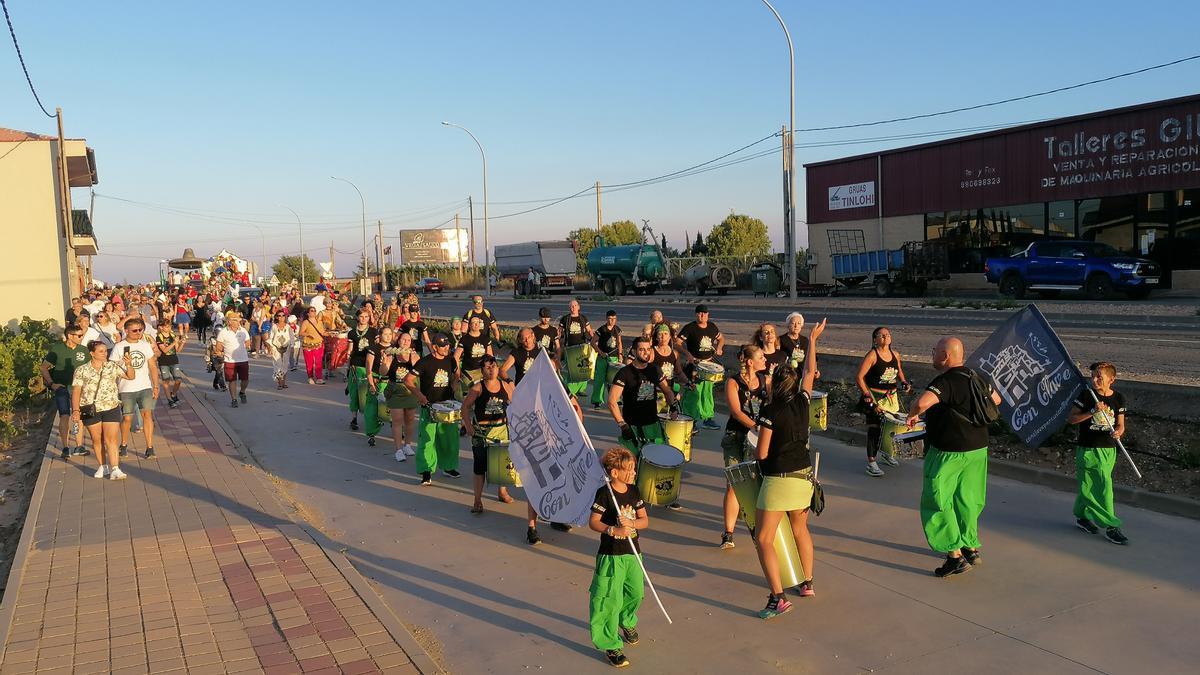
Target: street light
x=264, y=249
x=486, y=252
x=302, y=265
x=789, y=217
x=364, y=223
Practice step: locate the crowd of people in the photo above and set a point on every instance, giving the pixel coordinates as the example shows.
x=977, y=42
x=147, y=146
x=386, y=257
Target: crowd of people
x=120, y=355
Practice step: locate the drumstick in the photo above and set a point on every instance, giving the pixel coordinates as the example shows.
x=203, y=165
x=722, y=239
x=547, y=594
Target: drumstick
x=636, y=554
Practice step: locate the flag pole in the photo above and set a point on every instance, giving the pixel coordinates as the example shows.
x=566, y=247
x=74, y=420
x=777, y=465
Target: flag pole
x=636, y=554
x=1110, y=429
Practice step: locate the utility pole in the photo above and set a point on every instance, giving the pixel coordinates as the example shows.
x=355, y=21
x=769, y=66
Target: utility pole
x=599, y=220
x=789, y=261
x=471, y=208
x=379, y=255
x=331, y=266
x=458, y=247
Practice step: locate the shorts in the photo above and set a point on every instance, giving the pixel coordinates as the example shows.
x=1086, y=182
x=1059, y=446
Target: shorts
x=111, y=415
x=785, y=494
x=132, y=400
x=479, y=456
x=182, y=319
x=733, y=448
x=171, y=372
x=237, y=371
x=62, y=400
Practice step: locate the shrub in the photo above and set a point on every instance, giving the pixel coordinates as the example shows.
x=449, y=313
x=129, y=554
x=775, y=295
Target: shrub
x=21, y=355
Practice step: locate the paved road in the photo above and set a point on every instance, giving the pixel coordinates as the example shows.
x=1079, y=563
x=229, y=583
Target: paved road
x=1047, y=599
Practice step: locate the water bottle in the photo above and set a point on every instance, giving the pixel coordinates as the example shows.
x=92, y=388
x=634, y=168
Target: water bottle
x=74, y=428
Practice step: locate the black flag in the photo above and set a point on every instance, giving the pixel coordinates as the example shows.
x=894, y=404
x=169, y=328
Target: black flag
x=1033, y=373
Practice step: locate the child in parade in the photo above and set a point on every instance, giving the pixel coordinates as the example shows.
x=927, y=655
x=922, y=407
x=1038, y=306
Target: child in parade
x=1101, y=422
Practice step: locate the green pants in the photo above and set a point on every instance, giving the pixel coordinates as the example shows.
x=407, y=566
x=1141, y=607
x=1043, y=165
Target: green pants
x=698, y=403
x=600, y=380
x=362, y=400
x=650, y=433
x=614, y=597
x=952, y=497
x=575, y=389
x=437, y=444
x=1093, y=468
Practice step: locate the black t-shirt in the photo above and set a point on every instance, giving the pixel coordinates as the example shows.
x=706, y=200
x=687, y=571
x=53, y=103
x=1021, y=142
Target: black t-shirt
x=793, y=350
x=574, y=329
x=361, y=342
x=667, y=363
x=523, y=360
x=945, y=430
x=168, y=356
x=639, y=400
x=545, y=336
x=750, y=401
x=485, y=315
x=416, y=330
x=701, y=342
x=775, y=359
x=788, y=422
x=474, y=349
x=883, y=375
x=608, y=339
x=628, y=502
x=1093, y=432
x=435, y=377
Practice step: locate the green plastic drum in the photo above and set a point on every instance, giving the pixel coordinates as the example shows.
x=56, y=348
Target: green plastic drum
x=614, y=369
x=660, y=471
x=580, y=362
x=745, y=479
x=500, y=469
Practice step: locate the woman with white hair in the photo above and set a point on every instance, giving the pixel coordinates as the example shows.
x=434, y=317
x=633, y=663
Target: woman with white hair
x=792, y=343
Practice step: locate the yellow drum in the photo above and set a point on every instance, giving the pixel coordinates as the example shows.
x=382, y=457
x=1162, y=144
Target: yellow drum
x=468, y=379
x=709, y=371
x=614, y=369
x=678, y=432
x=446, y=412
x=746, y=481
x=579, y=362
x=912, y=441
x=818, y=411
x=500, y=469
x=893, y=424
x=660, y=471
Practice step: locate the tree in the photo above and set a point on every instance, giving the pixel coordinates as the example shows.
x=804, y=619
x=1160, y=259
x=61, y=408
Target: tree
x=288, y=268
x=739, y=235
x=585, y=241
x=699, y=248
x=621, y=232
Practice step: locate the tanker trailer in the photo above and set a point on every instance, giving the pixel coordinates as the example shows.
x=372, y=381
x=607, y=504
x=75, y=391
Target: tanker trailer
x=636, y=267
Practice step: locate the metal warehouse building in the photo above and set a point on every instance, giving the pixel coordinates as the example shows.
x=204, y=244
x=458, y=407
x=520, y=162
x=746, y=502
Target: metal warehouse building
x=1128, y=177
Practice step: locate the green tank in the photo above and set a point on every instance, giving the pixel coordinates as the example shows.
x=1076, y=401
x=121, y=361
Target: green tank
x=633, y=267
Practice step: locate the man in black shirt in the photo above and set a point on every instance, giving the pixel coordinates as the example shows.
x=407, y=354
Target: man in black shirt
x=416, y=329
x=521, y=358
x=361, y=337
x=607, y=342
x=489, y=320
x=437, y=444
x=955, y=477
x=700, y=340
x=544, y=333
x=633, y=401
x=574, y=330
x=1100, y=421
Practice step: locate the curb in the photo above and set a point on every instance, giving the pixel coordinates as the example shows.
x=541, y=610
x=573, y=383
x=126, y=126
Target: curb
x=336, y=554
x=1005, y=468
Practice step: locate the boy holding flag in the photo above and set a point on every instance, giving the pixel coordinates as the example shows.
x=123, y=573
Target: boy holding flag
x=1101, y=422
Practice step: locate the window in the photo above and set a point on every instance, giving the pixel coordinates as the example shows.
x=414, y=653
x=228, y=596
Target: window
x=1108, y=220
x=935, y=225
x=1025, y=219
x=1062, y=219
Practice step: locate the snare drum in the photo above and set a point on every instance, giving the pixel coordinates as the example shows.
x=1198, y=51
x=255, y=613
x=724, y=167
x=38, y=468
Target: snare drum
x=911, y=441
x=678, y=432
x=709, y=371
x=579, y=362
x=446, y=412
x=468, y=379
x=660, y=470
x=818, y=411
x=891, y=425
x=746, y=480
x=500, y=469
x=614, y=369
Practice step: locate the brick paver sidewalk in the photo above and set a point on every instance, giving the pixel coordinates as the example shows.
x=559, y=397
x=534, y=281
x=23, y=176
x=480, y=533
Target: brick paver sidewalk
x=191, y=564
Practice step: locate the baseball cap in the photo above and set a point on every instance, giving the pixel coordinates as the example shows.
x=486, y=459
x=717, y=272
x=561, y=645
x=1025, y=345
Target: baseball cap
x=702, y=309
x=441, y=341
x=544, y=312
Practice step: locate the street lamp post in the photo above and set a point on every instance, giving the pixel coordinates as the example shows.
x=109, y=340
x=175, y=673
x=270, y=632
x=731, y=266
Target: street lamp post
x=302, y=266
x=364, y=224
x=789, y=218
x=264, y=249
x=486, y=252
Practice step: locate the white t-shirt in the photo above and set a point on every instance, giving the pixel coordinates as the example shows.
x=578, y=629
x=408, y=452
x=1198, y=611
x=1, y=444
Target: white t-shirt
x=234, y=344
x=142, y=355
x=318, y=301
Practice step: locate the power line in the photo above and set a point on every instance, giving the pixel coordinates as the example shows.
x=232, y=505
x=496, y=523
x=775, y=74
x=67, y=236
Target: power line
x=21, y=58
x=1007, y=100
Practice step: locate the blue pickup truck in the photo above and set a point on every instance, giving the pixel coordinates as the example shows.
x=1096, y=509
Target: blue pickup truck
x=1051, y=266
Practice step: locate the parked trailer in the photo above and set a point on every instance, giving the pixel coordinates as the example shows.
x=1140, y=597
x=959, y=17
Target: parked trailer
x=634, y=267
x=554, y=260
x=705, y=277
x=909, y=268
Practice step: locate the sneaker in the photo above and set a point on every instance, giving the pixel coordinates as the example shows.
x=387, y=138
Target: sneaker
x=629, y=635
x=595, y=406
x=426, y=478
x=116, y=474
x=233, y=403
x=727, y=540
x=951, y=567
x=66, y=453
x=172, y=403
x=321, y=381
x=410, y=449
x=805, y=589
x=1116, y=536
x=242, y=397
x=371, y=441
x=617, y=658
x=353, y=424
x=889, y=459
x=123, y=450
x=874, y=470
x=531, y=537
x=776, y=605
x=311, y=381
x=292, y=369
x=101, y=472
x=451, y=473
x=1087, y=526
x=971, y=555
x=675, y=506
x=149, y=453
x=400, y=456
x=81, y=451
x=710, y=425
x=561, y=527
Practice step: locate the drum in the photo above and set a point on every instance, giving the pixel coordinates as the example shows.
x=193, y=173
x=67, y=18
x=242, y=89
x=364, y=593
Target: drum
x=818, y=411
x=678, y=432
x=614, y=369
x=911, y=441
x=468, y=379
x=751, y=444
x=709, y=371
x=446, y=412
x=660, y=470
x=337, y=347
x=892, y=424
x=579, y=361
x=500, y=470
x=746, y=481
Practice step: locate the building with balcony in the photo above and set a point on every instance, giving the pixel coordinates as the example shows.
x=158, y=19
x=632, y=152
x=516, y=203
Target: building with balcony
x=48, y=245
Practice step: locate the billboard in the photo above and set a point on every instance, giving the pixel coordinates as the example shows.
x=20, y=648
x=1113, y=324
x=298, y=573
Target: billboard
x=434, y=247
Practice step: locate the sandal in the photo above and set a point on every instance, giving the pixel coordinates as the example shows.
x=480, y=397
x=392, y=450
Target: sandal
x=477, y=509
x=504, y=497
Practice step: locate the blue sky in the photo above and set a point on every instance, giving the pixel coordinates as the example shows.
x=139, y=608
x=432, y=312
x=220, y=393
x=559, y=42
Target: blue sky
x=225, y=111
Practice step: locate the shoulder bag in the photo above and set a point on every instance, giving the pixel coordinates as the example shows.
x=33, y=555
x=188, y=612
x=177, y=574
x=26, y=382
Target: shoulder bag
x=88, y=410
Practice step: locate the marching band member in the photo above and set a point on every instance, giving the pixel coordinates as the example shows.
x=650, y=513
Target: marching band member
x=745, y=394
x=632, y=399
x=879, y=375
x=700, y=340
x=607, y=343
x=484, y=417
x=437, y=443
x=1100, y=425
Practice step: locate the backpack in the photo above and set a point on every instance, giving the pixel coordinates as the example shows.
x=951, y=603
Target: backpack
x=983, y=410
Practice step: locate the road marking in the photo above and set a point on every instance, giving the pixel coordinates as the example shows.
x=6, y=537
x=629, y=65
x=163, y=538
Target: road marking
x=369, y=466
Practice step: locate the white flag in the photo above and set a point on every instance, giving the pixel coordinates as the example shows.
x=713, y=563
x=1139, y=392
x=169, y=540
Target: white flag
x=550, y=449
